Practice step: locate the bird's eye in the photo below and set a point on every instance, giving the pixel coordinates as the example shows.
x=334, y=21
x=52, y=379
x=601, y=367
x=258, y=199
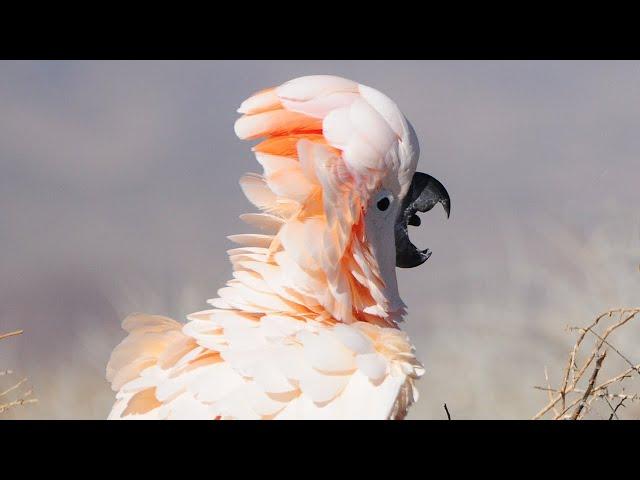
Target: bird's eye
x=383, y=204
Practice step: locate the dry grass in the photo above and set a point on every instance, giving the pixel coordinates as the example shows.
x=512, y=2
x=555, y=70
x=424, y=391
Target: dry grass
x=15, y=395
x=581, y=392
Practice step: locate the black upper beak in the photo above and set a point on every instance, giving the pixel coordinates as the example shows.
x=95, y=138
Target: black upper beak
x=424, y=193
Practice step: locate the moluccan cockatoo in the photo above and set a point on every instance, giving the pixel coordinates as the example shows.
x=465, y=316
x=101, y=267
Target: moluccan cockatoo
x=308, y=326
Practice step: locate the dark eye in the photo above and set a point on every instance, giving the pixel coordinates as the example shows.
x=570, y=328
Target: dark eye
x=383, y=204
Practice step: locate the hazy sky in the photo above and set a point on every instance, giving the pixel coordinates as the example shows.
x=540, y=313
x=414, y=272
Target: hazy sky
x=118, y=186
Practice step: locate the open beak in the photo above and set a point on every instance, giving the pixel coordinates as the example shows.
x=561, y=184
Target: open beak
x=424, y=193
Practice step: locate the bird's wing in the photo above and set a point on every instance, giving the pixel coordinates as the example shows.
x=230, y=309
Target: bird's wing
x=231, y=365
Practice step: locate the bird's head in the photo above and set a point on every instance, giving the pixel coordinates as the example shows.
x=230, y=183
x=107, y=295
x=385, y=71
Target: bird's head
x=339, y=190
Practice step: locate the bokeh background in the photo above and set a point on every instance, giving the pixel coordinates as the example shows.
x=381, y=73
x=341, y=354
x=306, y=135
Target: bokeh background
x=118, y=186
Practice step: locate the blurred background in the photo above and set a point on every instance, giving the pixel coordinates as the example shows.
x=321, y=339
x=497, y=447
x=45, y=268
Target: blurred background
x=119, y=185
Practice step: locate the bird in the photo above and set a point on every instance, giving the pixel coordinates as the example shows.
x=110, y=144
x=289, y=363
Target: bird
x=309, y=325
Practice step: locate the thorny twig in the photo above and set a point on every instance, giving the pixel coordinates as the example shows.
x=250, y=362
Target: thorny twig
x=549, y=390
x=615, y=410
x=5, y=403
x=574, y=371
x=589, y=389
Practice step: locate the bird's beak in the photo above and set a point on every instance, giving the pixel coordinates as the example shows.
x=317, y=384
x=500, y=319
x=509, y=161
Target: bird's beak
x=424, y=193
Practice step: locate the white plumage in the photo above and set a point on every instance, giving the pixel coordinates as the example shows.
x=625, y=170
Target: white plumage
x=307, y=328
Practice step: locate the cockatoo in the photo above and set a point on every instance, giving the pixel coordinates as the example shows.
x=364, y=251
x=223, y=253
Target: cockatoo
x=308, y=328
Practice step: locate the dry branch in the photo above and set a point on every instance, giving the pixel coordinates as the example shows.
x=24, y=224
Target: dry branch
x=22, y=398
x=589, y=390
x=11, y=334
x=570, y=396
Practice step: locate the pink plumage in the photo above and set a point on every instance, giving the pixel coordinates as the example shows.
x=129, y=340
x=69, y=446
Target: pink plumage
x=308, y=325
